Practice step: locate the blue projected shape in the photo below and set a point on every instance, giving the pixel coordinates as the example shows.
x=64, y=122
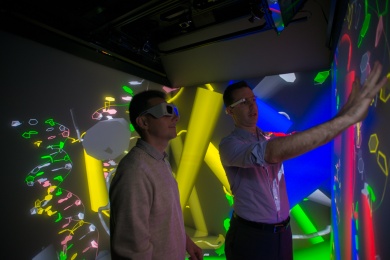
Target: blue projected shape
x=308, y=172
x=312, y=170
x=270, y=120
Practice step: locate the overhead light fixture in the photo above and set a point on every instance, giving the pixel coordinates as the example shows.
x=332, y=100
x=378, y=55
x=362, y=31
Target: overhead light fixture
x=174, y=14
x=276, y=13
x=283, y=11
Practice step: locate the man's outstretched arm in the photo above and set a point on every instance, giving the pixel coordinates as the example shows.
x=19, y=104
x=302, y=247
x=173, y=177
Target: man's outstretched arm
x=353, y=111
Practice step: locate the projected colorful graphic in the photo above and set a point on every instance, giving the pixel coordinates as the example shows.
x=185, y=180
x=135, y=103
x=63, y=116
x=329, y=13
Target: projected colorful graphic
x=361, y=155
x=75, y=234
x=77, y=237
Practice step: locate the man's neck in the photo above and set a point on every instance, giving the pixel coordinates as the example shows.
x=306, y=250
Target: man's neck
x=159, y=144
x=251, y=129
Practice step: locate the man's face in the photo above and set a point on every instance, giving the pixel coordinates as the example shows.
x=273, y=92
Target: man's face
x=244, y=108
x=163, y=127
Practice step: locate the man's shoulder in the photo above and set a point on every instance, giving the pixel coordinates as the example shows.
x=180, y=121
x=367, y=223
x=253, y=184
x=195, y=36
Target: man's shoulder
x=236, y=133
x=224, y=138
x=134, y=165
x=134, y=156
x=228, y=140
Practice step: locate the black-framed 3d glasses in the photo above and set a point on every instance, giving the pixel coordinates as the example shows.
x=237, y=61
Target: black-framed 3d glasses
x=162, y=109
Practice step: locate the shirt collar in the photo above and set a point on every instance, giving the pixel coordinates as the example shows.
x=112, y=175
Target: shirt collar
x=246, y=134
x=149, y=149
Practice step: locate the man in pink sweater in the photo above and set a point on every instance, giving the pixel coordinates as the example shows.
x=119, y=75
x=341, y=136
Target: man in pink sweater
x=146, y=221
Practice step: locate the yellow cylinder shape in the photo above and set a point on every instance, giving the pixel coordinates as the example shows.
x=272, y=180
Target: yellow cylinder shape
x=97, y=188
x=207, y=107
x=214, y=162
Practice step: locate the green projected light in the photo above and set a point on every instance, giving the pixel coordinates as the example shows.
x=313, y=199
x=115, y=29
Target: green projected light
x=305, y=224
x=321, y=77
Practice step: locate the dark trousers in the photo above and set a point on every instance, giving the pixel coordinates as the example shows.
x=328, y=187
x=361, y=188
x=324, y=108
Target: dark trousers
x=245, y=242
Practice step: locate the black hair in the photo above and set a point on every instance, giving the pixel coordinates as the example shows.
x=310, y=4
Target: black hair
x=228, y=93
x=140, y=102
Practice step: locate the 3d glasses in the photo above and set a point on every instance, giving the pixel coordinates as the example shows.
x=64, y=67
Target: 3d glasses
x=162, y=109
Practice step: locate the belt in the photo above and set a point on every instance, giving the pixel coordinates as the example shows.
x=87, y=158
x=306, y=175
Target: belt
x=274, y=228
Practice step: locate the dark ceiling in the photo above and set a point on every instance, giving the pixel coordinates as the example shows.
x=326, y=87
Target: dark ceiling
x=171, y=42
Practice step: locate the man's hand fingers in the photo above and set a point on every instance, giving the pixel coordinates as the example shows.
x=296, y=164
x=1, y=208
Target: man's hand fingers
x=371, y=85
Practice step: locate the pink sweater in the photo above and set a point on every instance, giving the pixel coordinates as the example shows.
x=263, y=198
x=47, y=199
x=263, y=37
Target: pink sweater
x=146, y=220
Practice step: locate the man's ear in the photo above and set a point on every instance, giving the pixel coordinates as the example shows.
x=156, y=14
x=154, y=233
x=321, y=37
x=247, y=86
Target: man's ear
x=142, y=122
x=228, y=111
